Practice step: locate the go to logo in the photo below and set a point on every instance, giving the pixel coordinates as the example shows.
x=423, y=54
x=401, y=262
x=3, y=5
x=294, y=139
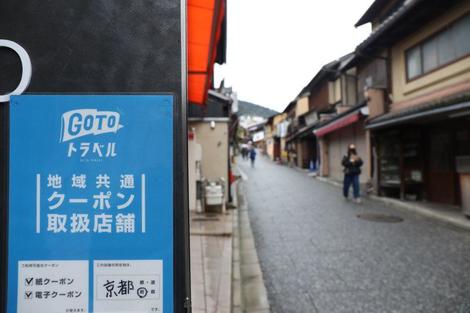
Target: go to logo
x=79, y=123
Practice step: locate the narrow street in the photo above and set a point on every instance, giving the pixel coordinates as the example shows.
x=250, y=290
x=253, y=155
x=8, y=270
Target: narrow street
x=317, y=256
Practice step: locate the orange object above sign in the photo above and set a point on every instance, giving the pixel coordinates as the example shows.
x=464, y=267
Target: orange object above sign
x=205, y=18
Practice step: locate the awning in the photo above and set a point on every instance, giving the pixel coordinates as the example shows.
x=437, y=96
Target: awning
x=338, y=124
x=303, y=132
x=205, y=20
x=433, y=110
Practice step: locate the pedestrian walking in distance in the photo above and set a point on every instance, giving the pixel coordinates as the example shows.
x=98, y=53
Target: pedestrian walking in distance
x=352, y=164
x=244, y=152
x=252, y=156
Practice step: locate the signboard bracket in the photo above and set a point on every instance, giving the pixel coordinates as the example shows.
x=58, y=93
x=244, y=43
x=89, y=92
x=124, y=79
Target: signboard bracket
x=187, y=305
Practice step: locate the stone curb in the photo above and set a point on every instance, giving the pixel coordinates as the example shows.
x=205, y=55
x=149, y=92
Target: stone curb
x=410, y=207
x=249, y=291
x=236, y=276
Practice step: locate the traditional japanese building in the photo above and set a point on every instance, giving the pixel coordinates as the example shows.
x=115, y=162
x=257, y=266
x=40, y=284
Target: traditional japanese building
x=422, y=129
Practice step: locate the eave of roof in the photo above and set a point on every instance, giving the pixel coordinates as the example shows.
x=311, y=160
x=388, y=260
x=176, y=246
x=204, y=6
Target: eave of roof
x=414, y=113
x=322, y=74
x=339, y=116
x=289, y=107
x=219, y=95
x=301, y=132
x=371, y=12
x=338, y=124
x=392, y=20
x=327, y=71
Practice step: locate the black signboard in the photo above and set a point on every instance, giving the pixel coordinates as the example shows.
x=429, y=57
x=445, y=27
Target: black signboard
x=101, y=47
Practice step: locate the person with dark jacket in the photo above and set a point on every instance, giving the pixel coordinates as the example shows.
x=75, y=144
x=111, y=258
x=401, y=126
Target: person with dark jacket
x=252, y=156
x=352, y=164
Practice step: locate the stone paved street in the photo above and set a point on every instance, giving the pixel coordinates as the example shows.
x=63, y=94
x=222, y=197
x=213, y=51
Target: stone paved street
x=317, y=256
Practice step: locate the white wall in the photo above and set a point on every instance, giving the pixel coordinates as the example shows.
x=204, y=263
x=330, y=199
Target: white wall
x=214, y=145
x=194, y=156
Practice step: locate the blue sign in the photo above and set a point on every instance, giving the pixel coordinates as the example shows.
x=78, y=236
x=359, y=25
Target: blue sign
x=91, y=204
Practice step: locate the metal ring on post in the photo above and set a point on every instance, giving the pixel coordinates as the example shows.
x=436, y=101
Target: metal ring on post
x=26, y=69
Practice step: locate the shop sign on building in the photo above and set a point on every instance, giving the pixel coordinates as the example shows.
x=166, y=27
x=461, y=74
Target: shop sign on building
x=91, y=204
x=258, y=136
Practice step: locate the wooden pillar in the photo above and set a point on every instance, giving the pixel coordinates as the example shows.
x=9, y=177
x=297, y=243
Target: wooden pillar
x=325, y=158
x=402, y=171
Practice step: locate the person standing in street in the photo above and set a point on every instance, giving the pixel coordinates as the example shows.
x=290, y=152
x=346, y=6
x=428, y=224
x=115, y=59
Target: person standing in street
x=244, y=151
x=352, y=164
x=252, y=156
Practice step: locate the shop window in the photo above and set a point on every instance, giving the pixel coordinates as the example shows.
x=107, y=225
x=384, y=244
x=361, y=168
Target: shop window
x=440, y=152
x=439, y=50
x=463, y=142
x=400, y=164
x=389, y=154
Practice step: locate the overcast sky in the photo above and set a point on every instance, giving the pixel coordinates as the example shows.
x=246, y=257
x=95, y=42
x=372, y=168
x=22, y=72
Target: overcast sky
x=275, y=47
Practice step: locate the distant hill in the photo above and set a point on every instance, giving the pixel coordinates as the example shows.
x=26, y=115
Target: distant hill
x=250, y=109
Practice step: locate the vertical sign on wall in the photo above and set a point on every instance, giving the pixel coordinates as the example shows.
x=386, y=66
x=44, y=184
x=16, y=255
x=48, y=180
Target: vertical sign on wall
x=91, y=204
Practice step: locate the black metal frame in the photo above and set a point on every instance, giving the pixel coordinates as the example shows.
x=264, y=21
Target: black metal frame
x=181, y=249
x=181, y=237
x=4, y=188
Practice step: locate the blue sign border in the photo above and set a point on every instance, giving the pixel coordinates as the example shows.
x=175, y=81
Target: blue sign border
x=43, y=111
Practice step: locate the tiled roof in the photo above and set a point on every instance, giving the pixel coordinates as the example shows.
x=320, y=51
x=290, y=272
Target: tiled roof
x=388, y=23
x=326, y=70
x=391, y=118
x=372, y=11
x=336, y=117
